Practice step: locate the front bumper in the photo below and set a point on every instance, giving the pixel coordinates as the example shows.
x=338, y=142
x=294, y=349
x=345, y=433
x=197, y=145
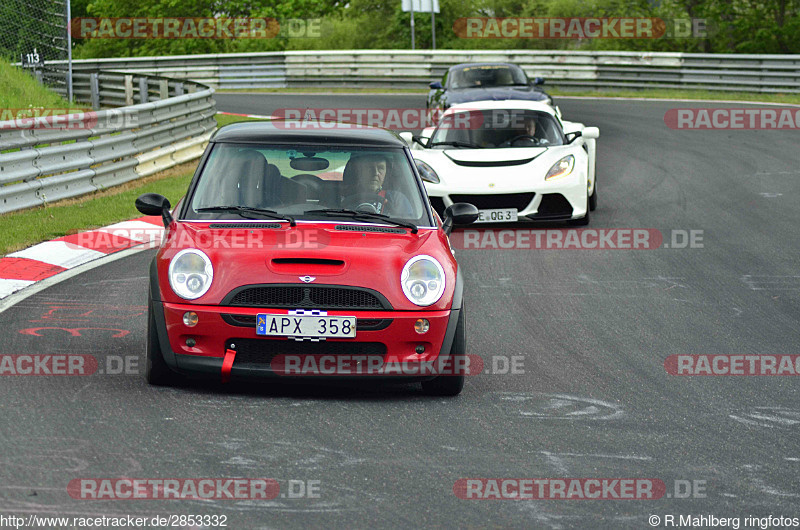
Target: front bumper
x=563, y=205
x=390, y=334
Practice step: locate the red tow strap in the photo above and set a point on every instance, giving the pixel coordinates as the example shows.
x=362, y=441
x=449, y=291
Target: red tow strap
x=227, y=364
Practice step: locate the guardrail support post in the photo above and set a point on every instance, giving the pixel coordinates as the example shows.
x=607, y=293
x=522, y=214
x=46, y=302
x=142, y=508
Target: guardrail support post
x=128, y=90
x=94, y=87
x=179, y=89
x=143, y=90
x=163, y=88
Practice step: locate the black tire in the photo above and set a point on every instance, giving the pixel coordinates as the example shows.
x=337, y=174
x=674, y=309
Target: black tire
x=156, y=370
x=593, y=197
x=451, y=385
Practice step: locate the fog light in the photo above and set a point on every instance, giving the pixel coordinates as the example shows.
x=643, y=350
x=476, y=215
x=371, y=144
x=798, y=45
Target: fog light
x=191, y=342
x=420, y=349
x=190, y=319
x=422, y=326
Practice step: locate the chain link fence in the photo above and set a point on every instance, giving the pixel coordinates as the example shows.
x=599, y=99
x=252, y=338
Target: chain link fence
x=34, y=32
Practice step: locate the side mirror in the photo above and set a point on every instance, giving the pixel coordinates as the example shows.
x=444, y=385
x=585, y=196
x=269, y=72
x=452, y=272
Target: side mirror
x=591, y=132
x=538, y=80
x=155, y=204
x=407, y=137
x=436, y=85
x=460, y=213
x=571, y=137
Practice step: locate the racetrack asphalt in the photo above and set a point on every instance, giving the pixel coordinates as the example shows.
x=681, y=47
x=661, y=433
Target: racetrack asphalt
x=593, y=329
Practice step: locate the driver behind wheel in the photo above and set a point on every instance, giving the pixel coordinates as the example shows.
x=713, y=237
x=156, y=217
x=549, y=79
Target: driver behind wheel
x=526, y=137
x=364, y=178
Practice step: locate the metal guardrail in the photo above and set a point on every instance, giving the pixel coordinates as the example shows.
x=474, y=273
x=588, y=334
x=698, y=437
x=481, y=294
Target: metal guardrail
x=415, y=69
x=161, y=123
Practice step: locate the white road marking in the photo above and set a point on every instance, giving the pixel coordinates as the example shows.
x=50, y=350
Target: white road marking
x=10, y=286
x=19, y=296
x=58, y=253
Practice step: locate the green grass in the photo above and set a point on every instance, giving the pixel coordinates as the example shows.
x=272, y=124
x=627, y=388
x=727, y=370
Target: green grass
x=27, y=227
x=18, y=89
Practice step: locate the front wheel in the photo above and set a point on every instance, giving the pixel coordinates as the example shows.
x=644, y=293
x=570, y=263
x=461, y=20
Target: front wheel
x=452, y=385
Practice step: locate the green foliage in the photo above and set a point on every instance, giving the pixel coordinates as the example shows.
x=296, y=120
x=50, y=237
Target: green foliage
x=744, y=26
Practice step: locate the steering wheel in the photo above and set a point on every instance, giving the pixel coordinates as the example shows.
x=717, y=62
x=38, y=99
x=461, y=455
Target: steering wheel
x=365, y=202
x=523, y=137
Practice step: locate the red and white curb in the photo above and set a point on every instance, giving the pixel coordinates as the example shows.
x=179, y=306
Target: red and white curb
x=26, y=267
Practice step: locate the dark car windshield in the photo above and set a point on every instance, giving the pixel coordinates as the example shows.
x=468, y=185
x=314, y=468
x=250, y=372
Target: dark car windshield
x=247, y=181
x=487, y=76
x=497, y=128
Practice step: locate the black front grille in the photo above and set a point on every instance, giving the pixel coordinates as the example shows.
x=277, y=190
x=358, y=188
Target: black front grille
x=554, y=205
x=307, y=297
x=262, y=351
x=520, y=201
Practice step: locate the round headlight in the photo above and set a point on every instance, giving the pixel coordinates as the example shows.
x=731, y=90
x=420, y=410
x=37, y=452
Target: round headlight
x=422, y=280
x=190, y=273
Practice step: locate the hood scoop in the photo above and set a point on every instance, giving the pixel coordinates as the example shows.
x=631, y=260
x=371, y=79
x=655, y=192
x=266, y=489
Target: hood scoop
x=308, y=261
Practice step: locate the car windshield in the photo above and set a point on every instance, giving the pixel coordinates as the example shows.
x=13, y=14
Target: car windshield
x=487, y=76
x=297, y=182
x=497, y=128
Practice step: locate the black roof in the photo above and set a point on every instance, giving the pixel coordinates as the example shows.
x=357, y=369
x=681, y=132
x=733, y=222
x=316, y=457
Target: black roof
x=307, y=132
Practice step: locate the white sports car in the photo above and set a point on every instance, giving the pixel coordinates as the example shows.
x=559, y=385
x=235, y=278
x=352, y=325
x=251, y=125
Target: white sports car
x=514, y=160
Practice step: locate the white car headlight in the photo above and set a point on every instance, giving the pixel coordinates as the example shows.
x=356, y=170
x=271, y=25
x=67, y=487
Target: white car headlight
x=562, y=168
x=422, y=280
x=190, y=273
x=426, y=172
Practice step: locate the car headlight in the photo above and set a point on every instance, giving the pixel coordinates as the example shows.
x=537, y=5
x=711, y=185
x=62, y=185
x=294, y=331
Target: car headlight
x=562, y=168
x=422, y=280
x=190, y=273
x=426, y=172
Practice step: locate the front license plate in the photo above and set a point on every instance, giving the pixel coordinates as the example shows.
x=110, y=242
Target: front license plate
x=305, y=326
x=500, y=215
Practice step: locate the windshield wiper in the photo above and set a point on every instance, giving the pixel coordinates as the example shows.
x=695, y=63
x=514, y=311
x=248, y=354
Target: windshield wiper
x=457, y=144
x=271, y=214
x=366, y=216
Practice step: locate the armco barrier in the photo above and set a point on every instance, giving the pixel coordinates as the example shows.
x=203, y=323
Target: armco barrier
x=159, y=123
x=415, y=69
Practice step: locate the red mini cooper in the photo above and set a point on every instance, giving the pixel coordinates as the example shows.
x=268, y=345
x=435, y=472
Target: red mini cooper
x=306, y=249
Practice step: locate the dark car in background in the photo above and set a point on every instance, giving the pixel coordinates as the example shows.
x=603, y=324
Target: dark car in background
x=467, y=82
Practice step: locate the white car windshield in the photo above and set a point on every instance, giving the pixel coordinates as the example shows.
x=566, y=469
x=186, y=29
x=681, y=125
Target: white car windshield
x=497, y=128
x=304, y=181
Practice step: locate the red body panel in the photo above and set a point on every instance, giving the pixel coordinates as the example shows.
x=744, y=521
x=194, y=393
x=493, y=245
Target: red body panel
x=244, y=256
